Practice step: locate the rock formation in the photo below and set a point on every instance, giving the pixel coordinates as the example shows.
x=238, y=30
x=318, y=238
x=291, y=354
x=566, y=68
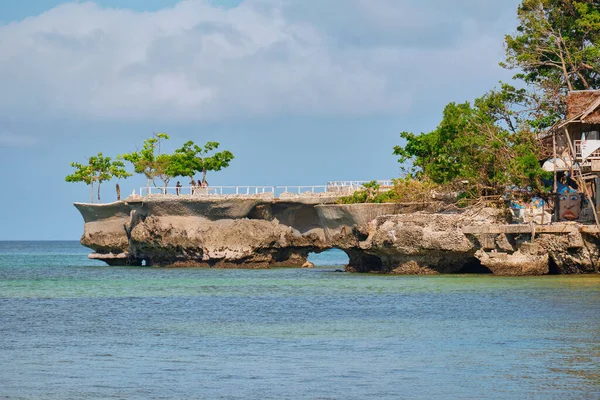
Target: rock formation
x=243, y=232
x=382, y=238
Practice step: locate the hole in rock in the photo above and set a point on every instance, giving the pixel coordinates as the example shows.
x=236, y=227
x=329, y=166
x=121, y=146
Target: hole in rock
x=552, y=267
x=329, y=258
x=371, y=263
x=473, y=266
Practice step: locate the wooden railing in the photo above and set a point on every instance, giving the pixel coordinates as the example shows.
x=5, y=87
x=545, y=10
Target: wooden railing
x=578, y=155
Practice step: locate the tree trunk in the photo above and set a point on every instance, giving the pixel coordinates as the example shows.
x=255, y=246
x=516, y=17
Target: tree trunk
x=92, y=192
x=204, y=176
x=563, y=63
x=98, y=192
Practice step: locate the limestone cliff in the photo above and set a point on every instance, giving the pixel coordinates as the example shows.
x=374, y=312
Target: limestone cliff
x=383, y=238
x=406, y=241
x=242, y=232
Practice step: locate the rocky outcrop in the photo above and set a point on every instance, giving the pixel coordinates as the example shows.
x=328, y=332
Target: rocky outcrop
x=104, y=227
x=530, y=259
x=573, y=253
x=561, y=248
x=414, y=243
x=380, y=238
x=177, y=241
x=225, y=233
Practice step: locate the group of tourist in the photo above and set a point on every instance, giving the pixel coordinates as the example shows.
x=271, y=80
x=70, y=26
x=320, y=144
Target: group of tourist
x=194, y=185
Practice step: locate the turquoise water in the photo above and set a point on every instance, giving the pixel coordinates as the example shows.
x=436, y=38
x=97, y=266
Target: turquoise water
x=71, y=328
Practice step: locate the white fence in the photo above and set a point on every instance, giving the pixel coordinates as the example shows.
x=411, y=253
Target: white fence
x=356, y=184
x=207, y=191
x=335, y=188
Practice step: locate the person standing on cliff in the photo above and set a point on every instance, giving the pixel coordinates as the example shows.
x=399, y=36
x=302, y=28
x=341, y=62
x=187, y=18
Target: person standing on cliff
x=193, y=183
x=118, y=192
x=178, y=188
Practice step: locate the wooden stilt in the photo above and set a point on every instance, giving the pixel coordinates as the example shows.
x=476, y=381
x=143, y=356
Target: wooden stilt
x=580, y=180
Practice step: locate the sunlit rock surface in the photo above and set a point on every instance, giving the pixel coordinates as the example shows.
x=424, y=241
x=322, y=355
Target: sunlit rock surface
x=379, y=238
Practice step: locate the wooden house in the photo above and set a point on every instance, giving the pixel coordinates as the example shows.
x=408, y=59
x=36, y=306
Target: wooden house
x=582, y=128
x=571, y=147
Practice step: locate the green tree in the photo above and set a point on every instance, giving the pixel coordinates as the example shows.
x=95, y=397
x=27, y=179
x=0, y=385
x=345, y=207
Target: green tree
x=191, y=158
x=117, y=170
x=148, y=161
x=83, y=173
x=101, y=166
x=98, y=169
x=557, y=49
x=490, y=144
x=163, y=169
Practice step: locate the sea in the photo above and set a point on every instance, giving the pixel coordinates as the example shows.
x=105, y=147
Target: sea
x=71, y=328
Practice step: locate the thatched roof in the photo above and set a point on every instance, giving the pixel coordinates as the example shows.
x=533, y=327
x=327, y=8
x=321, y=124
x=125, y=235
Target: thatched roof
x=584, y=105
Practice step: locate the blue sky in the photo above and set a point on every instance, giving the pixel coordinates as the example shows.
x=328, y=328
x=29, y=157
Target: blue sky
x=302, y=92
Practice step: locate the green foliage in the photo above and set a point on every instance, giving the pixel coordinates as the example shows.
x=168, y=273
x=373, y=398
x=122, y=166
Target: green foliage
x=557, y=49
x=191, y=158
x=83, y=173
x=370, y=193
x=492, y=143
x=488, y=144
x=360, y=196
x=117, y=170
x=404, y=190
x=185, y=161
x=148, y=161
x=98, y=169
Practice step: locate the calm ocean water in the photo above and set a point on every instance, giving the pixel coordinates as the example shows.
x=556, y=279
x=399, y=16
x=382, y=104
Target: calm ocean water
x=71, y=328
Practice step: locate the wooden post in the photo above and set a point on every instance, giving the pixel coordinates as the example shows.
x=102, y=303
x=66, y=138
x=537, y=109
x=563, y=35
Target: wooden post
x=554, y=159
x=581, y=180
x=572, y=151
x=597, y=187
x=555, y=186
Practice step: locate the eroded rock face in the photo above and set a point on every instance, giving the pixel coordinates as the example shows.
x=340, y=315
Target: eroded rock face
x=416, y=243
x=180, y=240
x=378, y=238
x=248, y=233
x=104, y=227
x=530, y=259
x=575, y=253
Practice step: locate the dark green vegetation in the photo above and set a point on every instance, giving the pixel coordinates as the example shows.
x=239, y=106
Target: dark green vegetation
x=404, y=190
x=556, y=49
x=491, y=144
x=98, y=169
x=150, y=162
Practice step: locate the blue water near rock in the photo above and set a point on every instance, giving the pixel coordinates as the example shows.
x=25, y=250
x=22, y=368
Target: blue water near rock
x=71, y=328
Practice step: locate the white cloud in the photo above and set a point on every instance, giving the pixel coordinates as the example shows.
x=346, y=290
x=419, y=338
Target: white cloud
x=196, y=61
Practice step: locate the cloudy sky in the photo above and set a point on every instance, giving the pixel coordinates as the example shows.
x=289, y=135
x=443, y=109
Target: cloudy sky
x=301, y=91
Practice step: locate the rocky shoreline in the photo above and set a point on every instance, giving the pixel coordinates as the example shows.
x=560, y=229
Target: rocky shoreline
x=378, y=238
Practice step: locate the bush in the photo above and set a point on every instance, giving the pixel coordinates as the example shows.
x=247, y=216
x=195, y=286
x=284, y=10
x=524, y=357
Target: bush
x=404, y=190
